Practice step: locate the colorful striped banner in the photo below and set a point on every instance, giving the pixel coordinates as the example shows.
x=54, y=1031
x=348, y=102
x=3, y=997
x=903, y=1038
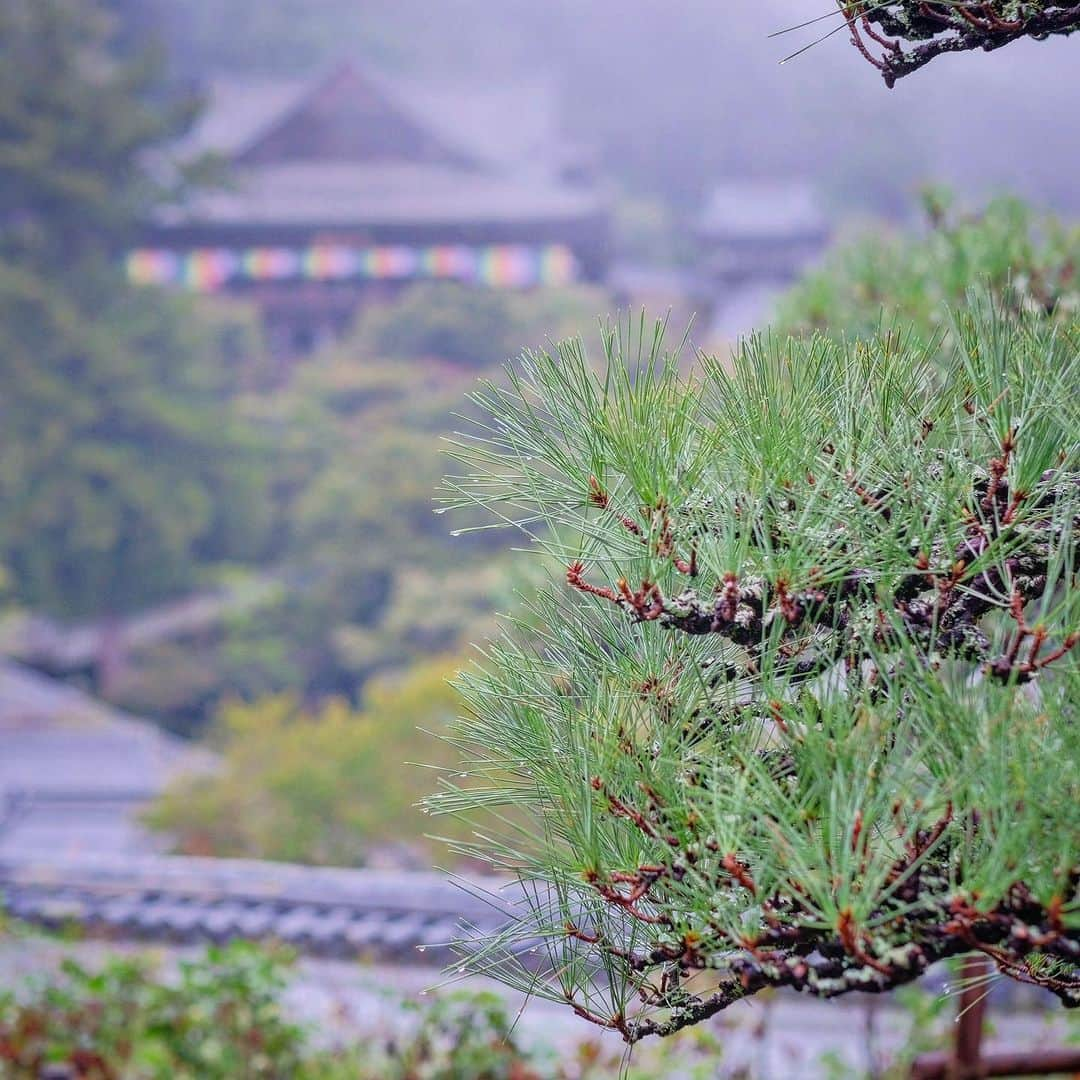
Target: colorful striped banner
x=505, y=266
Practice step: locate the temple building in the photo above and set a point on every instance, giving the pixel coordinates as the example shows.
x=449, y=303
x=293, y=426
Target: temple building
x=761, y=232
x=342, y=189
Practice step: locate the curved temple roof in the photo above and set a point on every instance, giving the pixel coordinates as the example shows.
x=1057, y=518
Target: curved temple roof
x=354, y=149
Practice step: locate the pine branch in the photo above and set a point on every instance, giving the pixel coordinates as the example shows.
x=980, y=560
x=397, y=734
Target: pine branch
x=801, y=710
x=880, y=31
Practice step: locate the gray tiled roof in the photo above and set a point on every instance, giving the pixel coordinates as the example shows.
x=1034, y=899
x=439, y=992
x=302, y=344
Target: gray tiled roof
x=54, y=738
x=502, y=124
x=74, y=772
x=326, y=194
x=354, y=149
x=756, y=210
x=330, y=912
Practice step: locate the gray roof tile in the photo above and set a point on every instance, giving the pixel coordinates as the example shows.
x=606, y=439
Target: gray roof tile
x=404, y=931
x=121, y=912
x=326, y=911
x=323, y=194
x=256, y=920
x=296, y=925
x=222, y=921
x=365, y=931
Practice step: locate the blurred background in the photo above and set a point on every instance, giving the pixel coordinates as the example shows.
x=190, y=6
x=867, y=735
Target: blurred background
x=252, y=258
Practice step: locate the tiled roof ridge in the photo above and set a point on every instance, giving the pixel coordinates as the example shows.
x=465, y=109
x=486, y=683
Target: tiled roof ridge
x=404, y=916
x=326, y=79
x=303, y=91
x=435, y=106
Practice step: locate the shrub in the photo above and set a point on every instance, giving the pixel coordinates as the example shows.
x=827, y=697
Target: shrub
x=219, y=1019
x=911, y=279
x=321, y=784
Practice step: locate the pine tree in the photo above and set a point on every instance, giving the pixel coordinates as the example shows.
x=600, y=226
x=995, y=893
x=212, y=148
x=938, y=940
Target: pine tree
x=120, y=468
x=83, y=134
x=802, y=712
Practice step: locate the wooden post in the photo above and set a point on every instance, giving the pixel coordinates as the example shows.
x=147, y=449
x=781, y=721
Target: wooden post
x=873, y=1072
x=111, y=657
x=967, y=1047
x=966, y=1061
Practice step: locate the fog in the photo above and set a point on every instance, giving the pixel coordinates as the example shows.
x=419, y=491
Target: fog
x=679, y=95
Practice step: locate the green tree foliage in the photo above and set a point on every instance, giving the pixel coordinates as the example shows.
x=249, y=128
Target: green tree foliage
x=910, y=278
x=120, y=467
x=802, y=713
x=366, y=578
x=76, y=127
x=471, y=327
x=899, y=38
x=368, y=583
x=316, y=785
x=361, y=555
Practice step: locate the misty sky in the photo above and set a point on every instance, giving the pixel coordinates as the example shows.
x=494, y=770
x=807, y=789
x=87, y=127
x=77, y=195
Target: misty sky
x=680, y=93
x=710, y=85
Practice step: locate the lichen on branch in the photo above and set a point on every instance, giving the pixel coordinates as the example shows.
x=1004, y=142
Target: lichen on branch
x=902, y=37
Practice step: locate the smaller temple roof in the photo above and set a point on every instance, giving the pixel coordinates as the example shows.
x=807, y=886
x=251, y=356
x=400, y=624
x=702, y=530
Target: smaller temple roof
x=752, y=210
x=74, y=772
